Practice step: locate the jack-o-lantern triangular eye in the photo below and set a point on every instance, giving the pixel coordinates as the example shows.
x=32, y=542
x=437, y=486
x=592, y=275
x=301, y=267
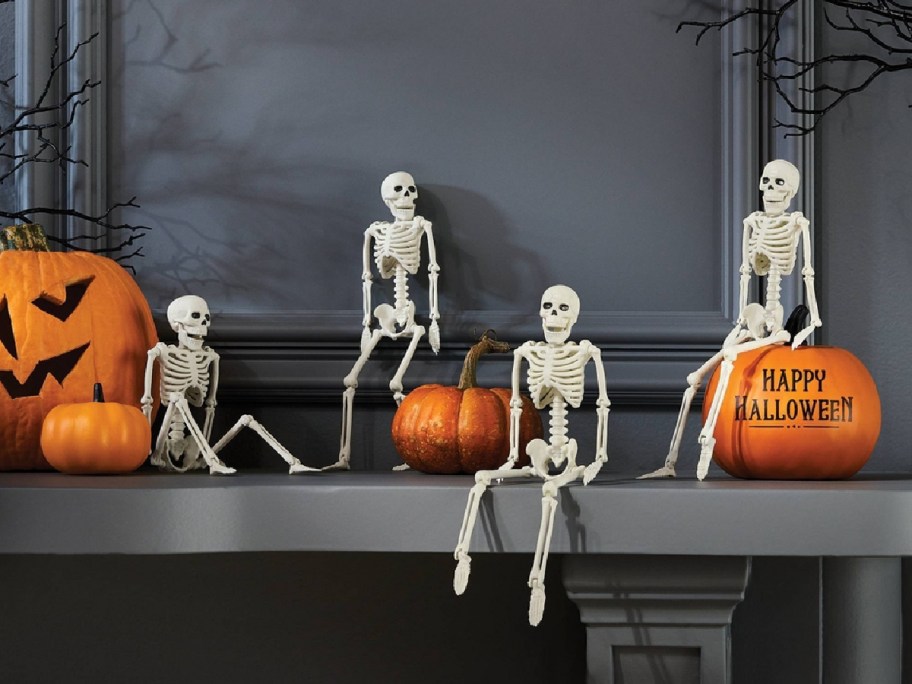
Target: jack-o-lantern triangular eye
x=6, y=329
x=62, y=309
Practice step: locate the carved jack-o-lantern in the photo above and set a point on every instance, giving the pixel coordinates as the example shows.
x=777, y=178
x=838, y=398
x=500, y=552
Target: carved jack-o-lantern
x=67, y=321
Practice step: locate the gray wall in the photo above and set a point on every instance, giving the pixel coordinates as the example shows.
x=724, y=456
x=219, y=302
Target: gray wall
x=550, y=144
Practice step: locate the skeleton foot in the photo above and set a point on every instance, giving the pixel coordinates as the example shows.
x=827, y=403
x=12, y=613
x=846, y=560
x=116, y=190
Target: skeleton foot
x=461, y=576
x=401, y=467
x=299, y=467
x=341, y=464
x=667, y=470
x=707, y=444
x=536, y=604
x=219, y=468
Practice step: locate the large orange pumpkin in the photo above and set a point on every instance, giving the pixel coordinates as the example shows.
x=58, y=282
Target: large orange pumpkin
x=67, y=321
x=808, y=413
x=462, y=429
x=96, y=437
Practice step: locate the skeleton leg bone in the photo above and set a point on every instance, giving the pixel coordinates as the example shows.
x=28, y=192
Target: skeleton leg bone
x=295, y=466
x=483, y=480
x=158, y=453
x=706, y=439
x=216, y=466
x=348, y=400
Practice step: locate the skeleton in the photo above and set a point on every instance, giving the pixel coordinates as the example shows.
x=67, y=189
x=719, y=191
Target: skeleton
x=396, y=251
x=770, y=249
x=189, y=377
x=555, y=380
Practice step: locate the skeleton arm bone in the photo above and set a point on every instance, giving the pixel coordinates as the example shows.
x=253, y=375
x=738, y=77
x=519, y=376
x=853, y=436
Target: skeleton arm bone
x=146, y=401
x=603, y=407
x=366, y=281
x=745, y=270
x=210, y=402
x=808, y=272
x=433, y=271
x=515, y=410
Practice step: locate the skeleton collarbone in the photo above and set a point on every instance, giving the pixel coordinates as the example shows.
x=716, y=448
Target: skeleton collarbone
x=397, y=244
x=556, y=370
x=186, y=371
x=773, y=242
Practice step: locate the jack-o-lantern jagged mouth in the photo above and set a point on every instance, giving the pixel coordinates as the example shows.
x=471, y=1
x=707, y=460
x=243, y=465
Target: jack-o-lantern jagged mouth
x=59, y=367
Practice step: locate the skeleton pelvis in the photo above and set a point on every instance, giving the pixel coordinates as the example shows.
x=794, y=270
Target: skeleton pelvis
x=389, y=318
x=762, y=323
x=544, y=455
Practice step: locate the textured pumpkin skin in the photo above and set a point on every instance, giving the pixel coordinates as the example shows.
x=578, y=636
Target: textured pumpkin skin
x=112, y=318
x=796, y=449
x=96, y=437
x=447, y=430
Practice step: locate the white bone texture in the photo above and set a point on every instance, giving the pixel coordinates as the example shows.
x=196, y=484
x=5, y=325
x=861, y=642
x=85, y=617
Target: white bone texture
x=555, y=378
x=770, y=249
x=394, y=249
x=189, y=378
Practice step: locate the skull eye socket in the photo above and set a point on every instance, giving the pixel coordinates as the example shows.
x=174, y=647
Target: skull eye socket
x=397, y=188
x=411, y=189
x=62, y=310
x=765, y=180
x=547, y=306
x=779, y=181
x=565, y=307
x=195, y=314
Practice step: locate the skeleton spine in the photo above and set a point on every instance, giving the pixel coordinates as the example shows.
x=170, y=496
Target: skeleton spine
x=402, y=300
x=773, y=291
x=558, y=423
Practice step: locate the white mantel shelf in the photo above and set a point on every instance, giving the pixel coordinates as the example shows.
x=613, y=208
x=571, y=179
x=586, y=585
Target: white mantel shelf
x=153, y=513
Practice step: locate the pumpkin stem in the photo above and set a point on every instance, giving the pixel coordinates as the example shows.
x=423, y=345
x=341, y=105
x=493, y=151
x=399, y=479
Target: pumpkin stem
x=23, y=237
x=98, y=394
x=487, y=343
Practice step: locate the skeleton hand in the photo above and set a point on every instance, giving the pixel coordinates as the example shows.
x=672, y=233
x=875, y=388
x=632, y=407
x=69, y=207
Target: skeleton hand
x=434, y=337
x=592, y=470
x=804, y=334
x=146, y=403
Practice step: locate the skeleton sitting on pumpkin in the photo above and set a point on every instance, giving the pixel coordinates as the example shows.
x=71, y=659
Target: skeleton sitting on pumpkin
x=769, y=248
x=396, y=248
x=189, y=377
x=555, y=380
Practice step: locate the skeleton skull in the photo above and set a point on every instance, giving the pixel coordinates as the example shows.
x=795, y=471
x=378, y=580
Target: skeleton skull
x=399, y=193
x=560, y=308
x=189, y=318
x=779, y=184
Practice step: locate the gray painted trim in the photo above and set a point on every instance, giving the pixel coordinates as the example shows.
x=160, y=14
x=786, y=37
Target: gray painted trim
x=653, y=352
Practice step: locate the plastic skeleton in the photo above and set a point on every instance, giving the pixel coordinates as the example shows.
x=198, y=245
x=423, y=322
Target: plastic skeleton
x=189, y=377
x=396, y=254
x=769, y=248
x=555, y=380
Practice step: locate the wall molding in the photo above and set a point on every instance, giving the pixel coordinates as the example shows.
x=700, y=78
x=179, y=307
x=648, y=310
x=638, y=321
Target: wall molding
x=302, y=356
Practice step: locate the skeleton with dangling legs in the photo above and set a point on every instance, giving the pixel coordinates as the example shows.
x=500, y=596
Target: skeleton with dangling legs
x=555, y=380
x=769, y=248
x=189, y=378
x=395, y=249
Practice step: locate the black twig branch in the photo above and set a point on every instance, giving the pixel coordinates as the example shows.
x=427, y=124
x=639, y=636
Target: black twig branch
x=884, y=25
x=44, y=122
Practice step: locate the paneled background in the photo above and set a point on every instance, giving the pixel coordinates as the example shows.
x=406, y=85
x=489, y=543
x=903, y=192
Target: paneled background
x=578, y=142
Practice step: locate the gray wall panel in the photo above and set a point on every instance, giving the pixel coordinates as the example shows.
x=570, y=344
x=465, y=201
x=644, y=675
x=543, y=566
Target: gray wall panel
x=253, y=136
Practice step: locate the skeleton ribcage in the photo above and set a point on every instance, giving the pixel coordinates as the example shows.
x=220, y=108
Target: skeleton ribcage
x=772, y=244
x=397, y=244
x=186, y=372
x=556, y=370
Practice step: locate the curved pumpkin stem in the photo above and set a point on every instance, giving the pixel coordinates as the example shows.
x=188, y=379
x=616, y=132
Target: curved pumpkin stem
x=24, y=237
x=468, y=378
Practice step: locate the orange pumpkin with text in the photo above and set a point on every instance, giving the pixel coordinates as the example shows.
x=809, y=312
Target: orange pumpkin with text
x=811, y=413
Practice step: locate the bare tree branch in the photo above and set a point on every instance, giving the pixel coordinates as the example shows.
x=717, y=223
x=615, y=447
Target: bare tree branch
x=885, y=25
x=45, y=120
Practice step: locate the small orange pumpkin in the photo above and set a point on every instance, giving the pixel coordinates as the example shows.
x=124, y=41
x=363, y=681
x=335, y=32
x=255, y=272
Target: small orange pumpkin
x=96, y=437
x=463, y=429
x=67, y=321
x=811, y=413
